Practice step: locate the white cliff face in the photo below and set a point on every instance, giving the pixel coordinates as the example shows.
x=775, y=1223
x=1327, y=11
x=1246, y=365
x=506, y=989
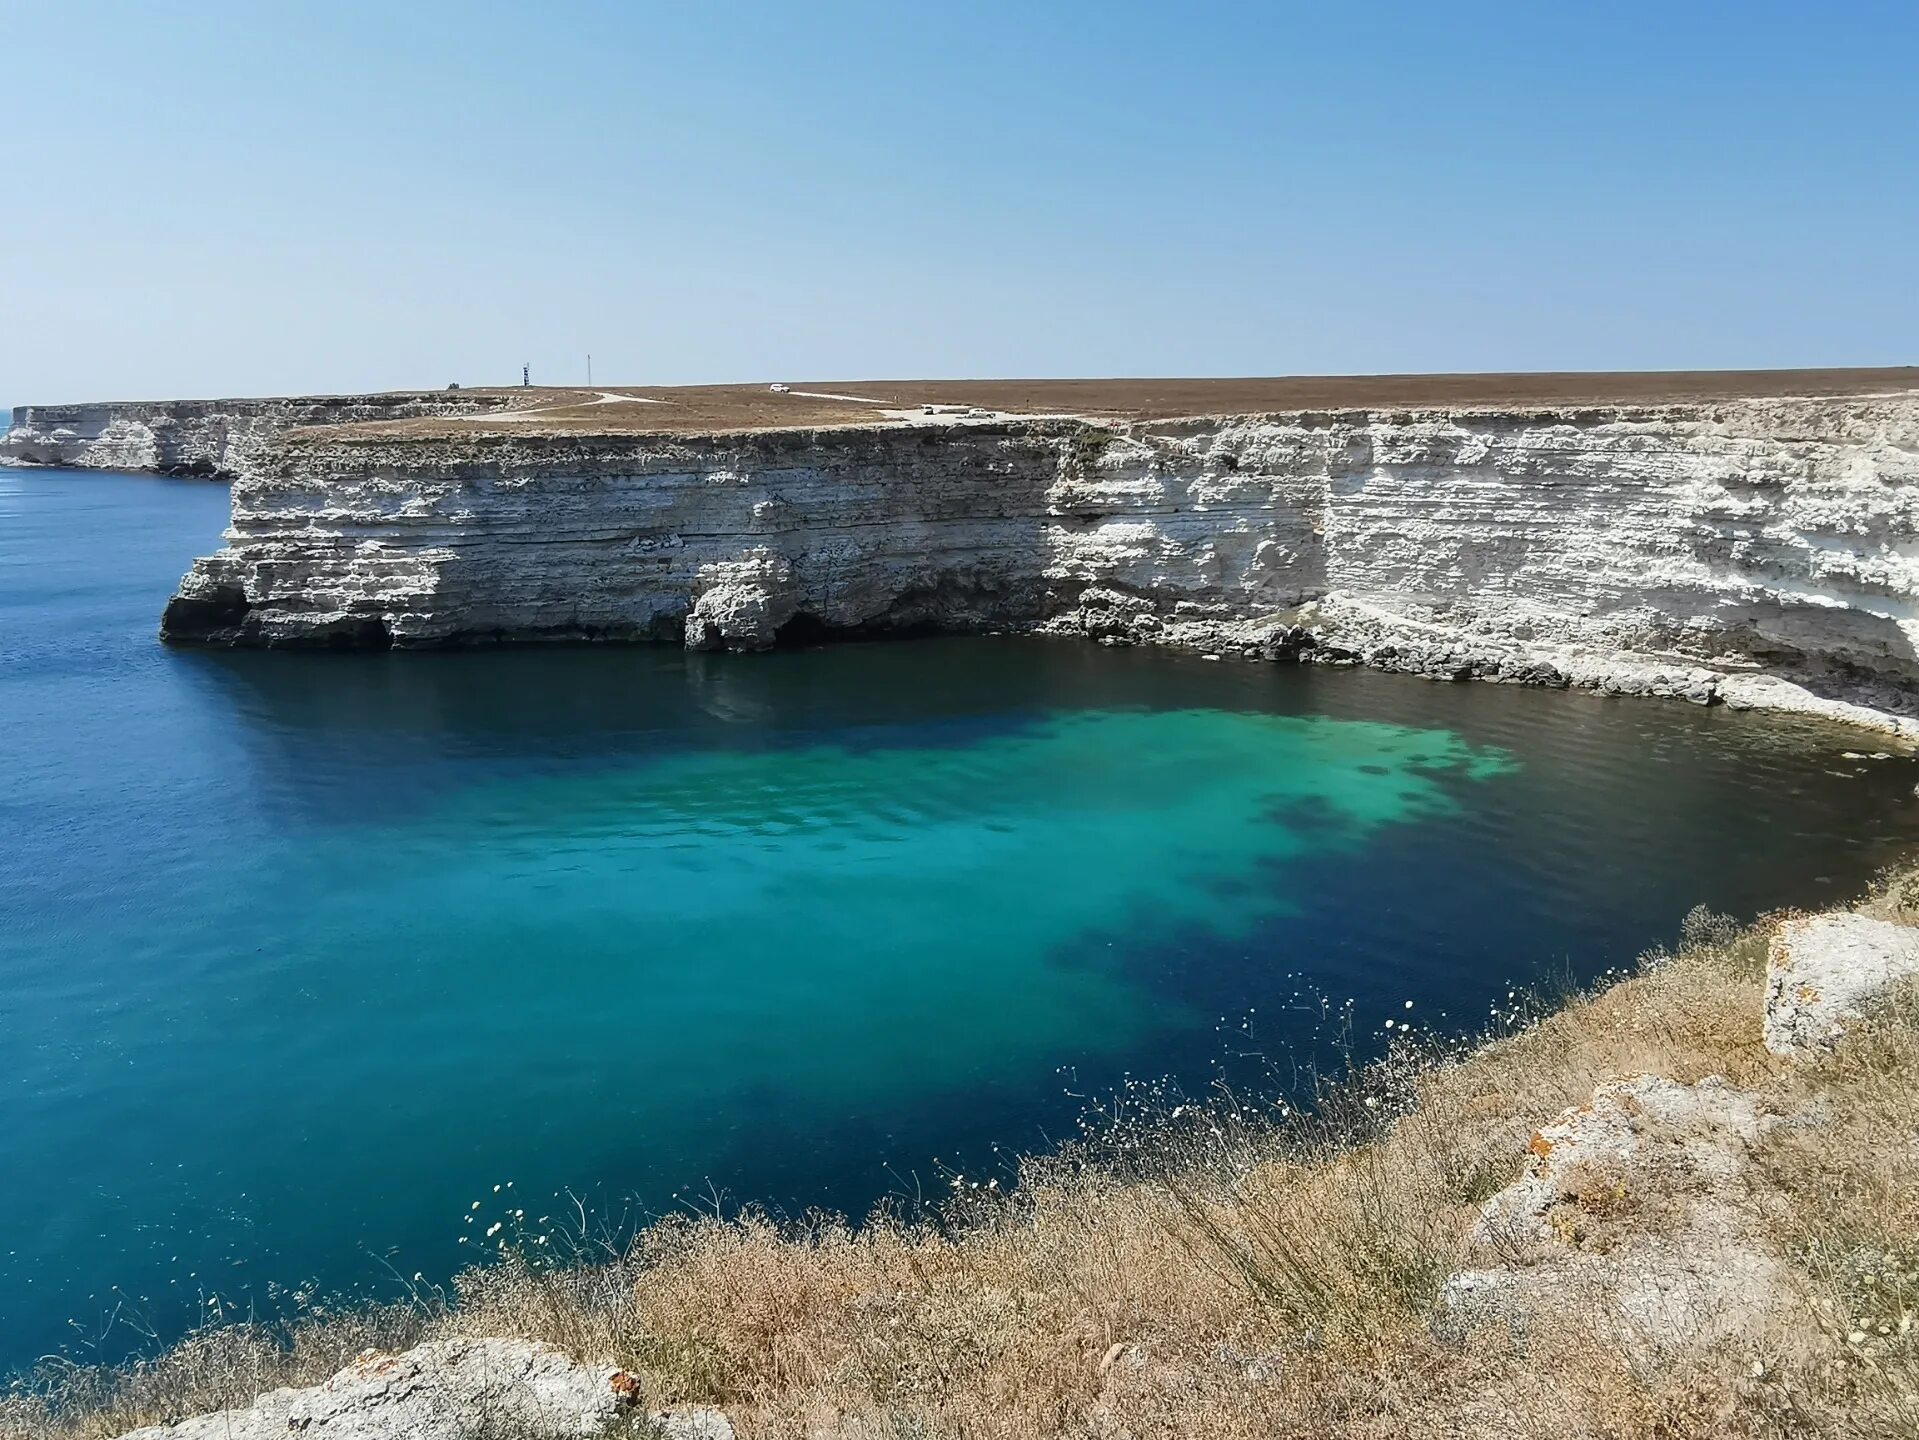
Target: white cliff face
x=217, y=439
x=1743, y=532
x=1703, y=550
x=718, y=540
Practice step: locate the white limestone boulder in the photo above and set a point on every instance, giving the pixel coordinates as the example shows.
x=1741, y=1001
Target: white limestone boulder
x=451, y=1390
x=1822, y=970
x=741, y=604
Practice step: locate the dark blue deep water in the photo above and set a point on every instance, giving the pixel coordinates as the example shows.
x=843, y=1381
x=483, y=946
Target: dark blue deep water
x=302, y=955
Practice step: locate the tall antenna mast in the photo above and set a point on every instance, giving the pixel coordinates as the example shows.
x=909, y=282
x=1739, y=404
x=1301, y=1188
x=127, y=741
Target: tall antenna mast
x=589, y=367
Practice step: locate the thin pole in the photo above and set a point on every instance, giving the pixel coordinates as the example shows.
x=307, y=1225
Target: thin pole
x=589, y=367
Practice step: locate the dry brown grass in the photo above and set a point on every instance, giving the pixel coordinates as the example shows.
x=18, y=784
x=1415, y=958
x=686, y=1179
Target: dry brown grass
x=222, y=1366
x=1228, y=1276
x=693, y=409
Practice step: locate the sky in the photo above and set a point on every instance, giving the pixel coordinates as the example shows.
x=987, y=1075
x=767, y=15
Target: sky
x=208, y=198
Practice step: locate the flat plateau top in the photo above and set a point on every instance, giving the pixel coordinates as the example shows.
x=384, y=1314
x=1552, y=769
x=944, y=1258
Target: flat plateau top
x=805, y=404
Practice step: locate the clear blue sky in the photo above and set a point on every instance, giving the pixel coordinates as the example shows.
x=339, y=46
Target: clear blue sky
x=207, y=197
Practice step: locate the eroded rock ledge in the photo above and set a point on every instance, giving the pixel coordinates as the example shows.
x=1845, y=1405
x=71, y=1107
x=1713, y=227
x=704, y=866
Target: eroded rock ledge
x=1758, y=552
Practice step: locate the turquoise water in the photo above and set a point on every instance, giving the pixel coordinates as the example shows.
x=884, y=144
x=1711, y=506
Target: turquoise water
x=300, y=955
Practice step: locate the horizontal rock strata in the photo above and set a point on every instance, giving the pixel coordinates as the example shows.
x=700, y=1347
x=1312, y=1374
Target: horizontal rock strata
x=1737, y=550
x=216, y=439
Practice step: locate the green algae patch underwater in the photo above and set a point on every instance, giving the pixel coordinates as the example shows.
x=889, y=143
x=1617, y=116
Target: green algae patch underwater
x=877, y=923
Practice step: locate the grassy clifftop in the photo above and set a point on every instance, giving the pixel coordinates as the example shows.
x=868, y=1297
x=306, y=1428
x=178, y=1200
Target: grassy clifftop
x=1454, y=1242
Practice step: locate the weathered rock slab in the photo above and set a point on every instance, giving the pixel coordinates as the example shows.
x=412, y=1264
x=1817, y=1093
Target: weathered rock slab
x=1632, y=1210
x=1823, y=970
x=1708, y=1128
x=452, y=1390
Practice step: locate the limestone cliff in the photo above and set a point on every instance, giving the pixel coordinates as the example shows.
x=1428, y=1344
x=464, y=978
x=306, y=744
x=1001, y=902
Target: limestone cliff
x=218, y=439
x=1694, y=549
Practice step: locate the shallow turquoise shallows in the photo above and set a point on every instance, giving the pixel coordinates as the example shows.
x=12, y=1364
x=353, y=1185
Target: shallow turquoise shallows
x=301, y=955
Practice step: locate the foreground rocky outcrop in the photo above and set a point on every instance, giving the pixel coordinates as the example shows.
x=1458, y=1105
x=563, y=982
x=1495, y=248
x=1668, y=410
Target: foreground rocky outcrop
x=1635, y=1205
x=1642, y=1207
x=214, y=439
x=454, y=1390
x=1760, y=552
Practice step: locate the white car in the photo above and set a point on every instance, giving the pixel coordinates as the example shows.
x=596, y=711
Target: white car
x=778, y=389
